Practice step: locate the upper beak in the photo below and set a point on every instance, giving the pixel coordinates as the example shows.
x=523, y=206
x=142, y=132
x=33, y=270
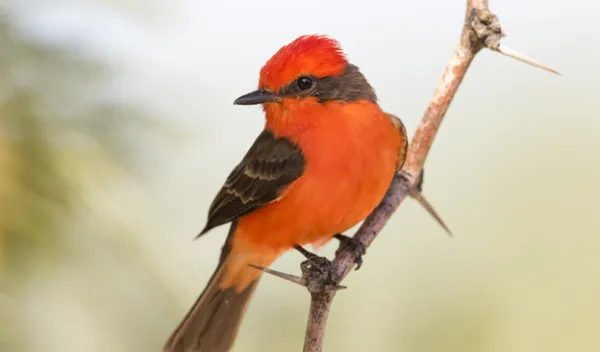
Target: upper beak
x=257, y=97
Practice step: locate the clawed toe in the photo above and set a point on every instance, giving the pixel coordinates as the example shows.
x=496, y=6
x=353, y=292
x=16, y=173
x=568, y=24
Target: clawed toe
x=354, y=245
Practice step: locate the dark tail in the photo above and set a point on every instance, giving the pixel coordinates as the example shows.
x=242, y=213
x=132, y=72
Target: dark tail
x=211, y=325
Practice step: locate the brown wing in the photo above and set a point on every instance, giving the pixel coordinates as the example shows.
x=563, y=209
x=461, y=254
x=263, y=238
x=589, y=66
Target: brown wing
x=404, y=147
x=268, y=167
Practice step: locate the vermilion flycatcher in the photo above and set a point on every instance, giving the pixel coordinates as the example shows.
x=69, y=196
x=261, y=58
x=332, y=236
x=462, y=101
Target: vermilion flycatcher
x=323, y=162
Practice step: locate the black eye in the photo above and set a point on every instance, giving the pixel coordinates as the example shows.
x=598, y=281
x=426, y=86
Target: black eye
x=305, y=83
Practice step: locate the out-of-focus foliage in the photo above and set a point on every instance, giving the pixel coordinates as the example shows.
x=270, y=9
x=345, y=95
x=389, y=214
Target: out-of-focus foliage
x=58, y=139
x=46, y=117
x=31, y=188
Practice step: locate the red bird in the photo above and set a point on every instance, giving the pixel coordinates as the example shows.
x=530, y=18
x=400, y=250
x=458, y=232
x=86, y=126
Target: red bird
x=323, y=162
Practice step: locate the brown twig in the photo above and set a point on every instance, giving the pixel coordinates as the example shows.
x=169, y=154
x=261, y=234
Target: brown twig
x=481, y=30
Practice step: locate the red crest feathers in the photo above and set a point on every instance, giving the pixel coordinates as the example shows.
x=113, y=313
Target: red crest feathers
x=314, y=55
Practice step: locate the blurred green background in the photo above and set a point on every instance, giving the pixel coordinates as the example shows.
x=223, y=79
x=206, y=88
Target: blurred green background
x=117, y=129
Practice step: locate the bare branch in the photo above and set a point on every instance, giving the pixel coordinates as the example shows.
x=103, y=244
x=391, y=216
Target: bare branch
x=313, y=339
x=481, y=30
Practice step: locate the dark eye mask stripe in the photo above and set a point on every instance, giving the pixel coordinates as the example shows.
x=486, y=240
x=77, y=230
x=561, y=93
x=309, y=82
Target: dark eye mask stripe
x=350, y=86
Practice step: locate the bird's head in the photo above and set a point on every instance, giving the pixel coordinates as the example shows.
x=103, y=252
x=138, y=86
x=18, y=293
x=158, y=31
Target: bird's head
x=309, y=71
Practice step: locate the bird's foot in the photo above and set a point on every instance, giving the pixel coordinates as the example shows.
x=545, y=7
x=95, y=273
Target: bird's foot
x=318, y=272
x=352, y=244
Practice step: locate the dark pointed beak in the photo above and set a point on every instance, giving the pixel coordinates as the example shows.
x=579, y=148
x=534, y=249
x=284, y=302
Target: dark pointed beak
x=257, y=97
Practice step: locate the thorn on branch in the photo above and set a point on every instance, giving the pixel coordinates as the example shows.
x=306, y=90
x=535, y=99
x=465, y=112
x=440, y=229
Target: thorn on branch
x=488, y=32
x=517, y=56
x=288, y=277
x=429, y=208
x=416, y=192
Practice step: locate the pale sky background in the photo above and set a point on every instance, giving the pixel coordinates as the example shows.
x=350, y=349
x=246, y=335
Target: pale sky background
x=514, y=172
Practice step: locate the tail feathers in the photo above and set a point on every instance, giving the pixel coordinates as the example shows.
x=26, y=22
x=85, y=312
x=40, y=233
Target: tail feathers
x=212, y=323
